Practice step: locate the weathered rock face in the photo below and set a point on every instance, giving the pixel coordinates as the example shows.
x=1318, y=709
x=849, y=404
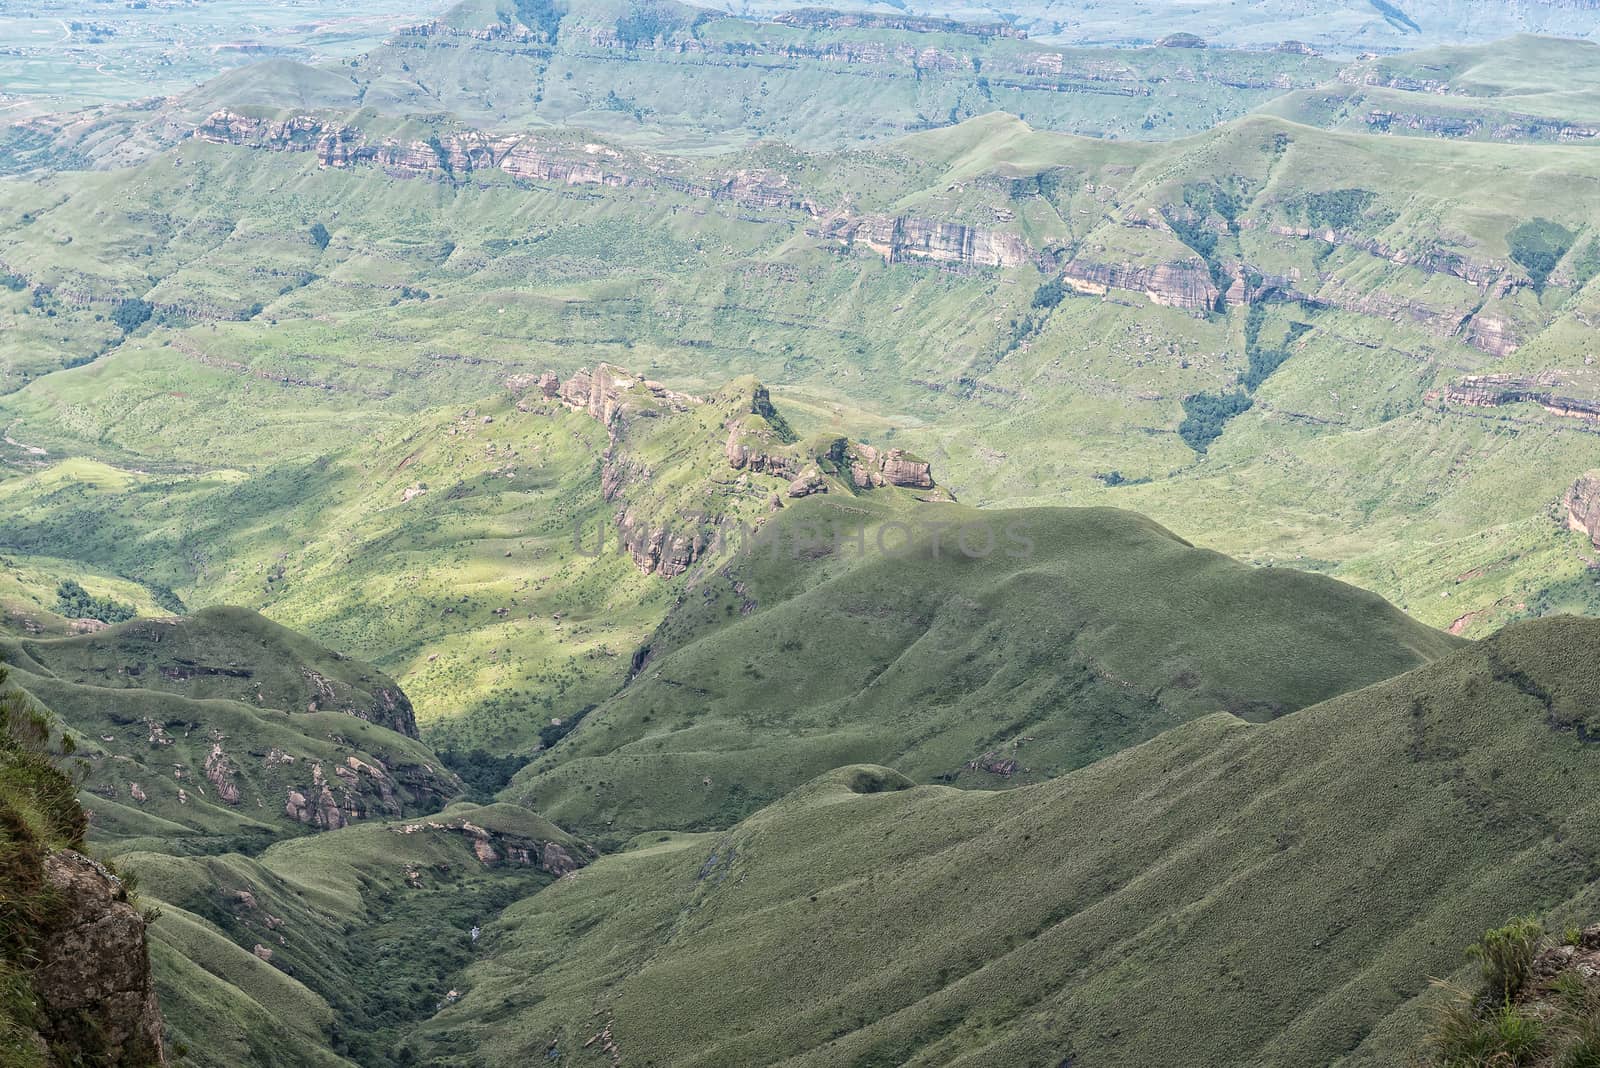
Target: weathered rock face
x=901, y=239
x=524, y=157
x=93, y=978
x=810, y=481
x=358, y=790
x=902, y=470
x=1489, y=391
x=668, y=541
x=498, y=848
x=1582, y=504
x=1186, y=285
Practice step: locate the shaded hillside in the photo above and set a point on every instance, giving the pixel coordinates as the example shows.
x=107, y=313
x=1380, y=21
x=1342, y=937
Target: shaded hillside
x=1228, y=893
x=329, y=949
x=962, y=646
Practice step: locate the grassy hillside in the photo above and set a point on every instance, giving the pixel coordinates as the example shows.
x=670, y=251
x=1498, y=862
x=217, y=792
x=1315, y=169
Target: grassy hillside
x=972, y=647
x=1526, y=89
x=1357, y=276
x=1227, y=893
x=201, y=732
x=329, y=949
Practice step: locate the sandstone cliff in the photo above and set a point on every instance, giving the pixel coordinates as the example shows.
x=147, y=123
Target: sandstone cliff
x=1582, y=505
x=1489, y=391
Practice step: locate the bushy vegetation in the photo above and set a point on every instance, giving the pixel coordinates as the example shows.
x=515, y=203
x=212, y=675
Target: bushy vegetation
x=645, y=22
x=131, y=314
x=1343, y=210
x=1206, y=414
x=75, y=602
x=1516, y=1018
x=543, y=16
x=1537, y=246
x=320, y=236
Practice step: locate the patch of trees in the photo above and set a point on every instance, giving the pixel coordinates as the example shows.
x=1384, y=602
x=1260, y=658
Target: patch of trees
x=1050, y=294
x=483, y=773
x=541, y=15
x=132, y=313
x=319, y=233
x=644, y=23
x=1336, y=209
x=1260, y=361
x=1537, y=246
x=1205, y=415
x=75, y=602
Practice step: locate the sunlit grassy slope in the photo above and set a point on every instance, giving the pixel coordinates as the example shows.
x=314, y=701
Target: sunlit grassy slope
x=1228, y=893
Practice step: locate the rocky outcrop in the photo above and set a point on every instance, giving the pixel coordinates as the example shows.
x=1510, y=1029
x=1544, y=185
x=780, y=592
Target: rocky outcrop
x=1490, y=391
x=1186, y=284
x=809, y=481
x=901, y=469
x=93, y=983
x=668, y=541
x=1582, y=505
x=901, y=239
x=525, y=157
x=358, y=790
x=219, y=772
x=658, y=549
x=824, y=19
x=500, y=848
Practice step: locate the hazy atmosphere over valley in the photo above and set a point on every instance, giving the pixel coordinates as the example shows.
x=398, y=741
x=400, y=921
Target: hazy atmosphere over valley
x=916, y=533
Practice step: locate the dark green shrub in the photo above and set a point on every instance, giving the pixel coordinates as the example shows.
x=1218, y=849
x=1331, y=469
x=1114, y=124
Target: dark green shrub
x=1205, y=415
x=75, y=602
x=1537, y=246
x=132, y=313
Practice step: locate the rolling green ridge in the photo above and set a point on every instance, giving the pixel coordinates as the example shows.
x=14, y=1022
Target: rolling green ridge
x=962, y=646
x=1264, y=893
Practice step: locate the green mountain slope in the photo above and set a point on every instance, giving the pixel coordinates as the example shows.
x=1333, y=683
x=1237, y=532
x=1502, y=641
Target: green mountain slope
x=224, y=730
x=978, y=647
x=1037, y=314
x=329, y=949
x=1523, y=89
x=1227, y=893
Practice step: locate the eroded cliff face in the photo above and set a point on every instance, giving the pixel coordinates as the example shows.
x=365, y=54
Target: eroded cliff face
x=899, y=239
x=1491, y=391
x=529, y=158
x=95, y=992
x=961, y=240
x=1582, y=505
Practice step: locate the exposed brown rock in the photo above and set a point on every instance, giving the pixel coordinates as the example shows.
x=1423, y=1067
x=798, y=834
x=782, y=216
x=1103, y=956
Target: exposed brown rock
x=902, y=470
x=810, y=481
x=219, y=772
x=1582, y=503
x=556, y=860
x=93, y=979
